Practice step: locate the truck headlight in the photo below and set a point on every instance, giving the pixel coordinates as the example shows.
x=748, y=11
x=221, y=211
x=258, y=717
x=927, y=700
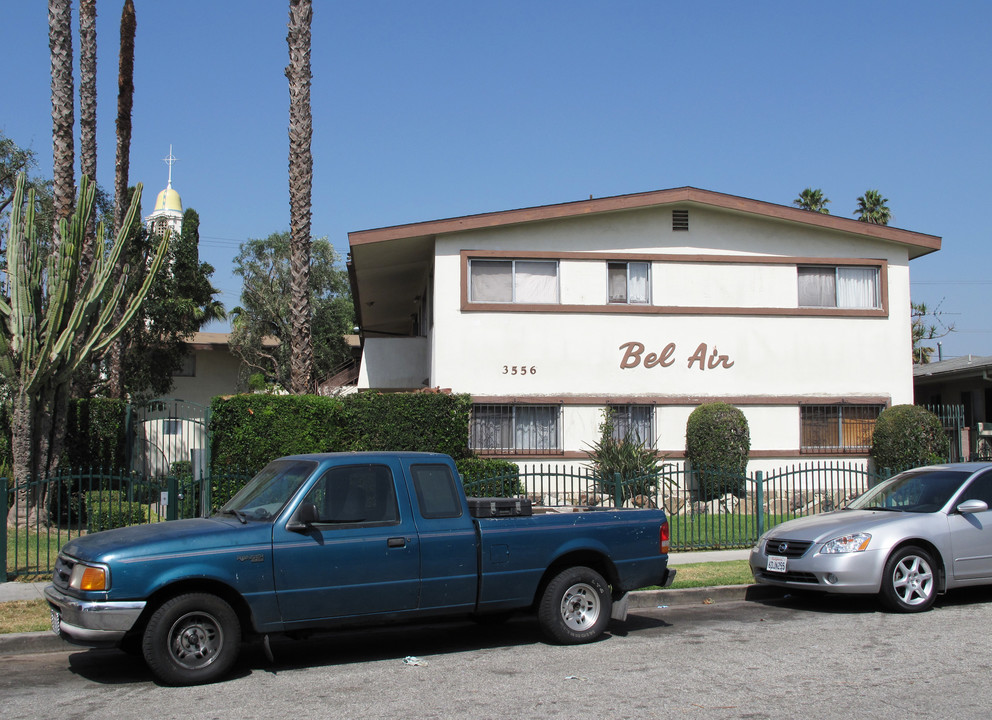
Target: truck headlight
x=855, y=542
x=89, y=577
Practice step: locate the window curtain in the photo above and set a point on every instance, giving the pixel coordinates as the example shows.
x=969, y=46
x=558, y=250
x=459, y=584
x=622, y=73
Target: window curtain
x=817, y=287
x=857, y=287
x=638, y=292
x=536, y=428
x=616, y=276
x=492, y=280
x=536, y=281
x=492, y=428
x=635, y=421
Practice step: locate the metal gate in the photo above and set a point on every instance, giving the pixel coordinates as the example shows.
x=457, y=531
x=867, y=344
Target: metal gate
x=170, y=438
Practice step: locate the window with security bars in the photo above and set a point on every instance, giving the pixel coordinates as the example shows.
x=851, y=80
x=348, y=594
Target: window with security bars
x=515, y=429
x=829, y=429
x=635, y=421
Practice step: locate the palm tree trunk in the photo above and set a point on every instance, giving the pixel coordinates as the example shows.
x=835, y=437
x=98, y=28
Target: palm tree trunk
x=87, y=118
x=300, y=186
x=125, y=102
x=63, y=151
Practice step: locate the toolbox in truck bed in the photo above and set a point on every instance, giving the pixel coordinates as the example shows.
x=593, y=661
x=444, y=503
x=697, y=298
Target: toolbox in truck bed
x=483, y=507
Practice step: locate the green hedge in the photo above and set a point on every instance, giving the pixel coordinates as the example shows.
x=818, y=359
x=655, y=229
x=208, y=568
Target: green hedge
x=420, y=422
x=489, y=477
x=106, y=509
x=95, y=435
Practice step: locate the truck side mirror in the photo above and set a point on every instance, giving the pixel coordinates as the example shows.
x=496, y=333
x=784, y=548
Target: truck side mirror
x=304, y=517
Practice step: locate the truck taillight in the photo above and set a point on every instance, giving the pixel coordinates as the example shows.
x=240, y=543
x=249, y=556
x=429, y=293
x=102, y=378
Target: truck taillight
x=664, y=538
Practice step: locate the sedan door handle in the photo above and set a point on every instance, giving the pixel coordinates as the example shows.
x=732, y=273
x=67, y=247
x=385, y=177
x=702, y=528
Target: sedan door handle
x=396, y=542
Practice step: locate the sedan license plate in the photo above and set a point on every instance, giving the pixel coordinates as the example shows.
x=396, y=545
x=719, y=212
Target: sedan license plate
x=56, y=621
x=776, y=563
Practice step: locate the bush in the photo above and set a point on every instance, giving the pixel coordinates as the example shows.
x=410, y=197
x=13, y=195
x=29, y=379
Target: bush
x=635, y=463
x=106, y=509
x=717, y=444
x=908, y=436
x=489, y=477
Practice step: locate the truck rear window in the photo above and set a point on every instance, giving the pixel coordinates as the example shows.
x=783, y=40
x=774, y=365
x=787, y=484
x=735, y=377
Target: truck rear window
x=437, y=494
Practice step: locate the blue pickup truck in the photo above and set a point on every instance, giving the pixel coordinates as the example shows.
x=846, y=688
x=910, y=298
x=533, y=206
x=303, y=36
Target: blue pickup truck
x=315, y=542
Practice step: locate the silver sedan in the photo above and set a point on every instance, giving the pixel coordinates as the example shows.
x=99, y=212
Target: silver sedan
x=909, y=538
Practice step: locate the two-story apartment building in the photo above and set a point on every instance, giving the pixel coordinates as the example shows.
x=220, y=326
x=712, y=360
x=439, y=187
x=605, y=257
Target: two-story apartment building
x=651, y=304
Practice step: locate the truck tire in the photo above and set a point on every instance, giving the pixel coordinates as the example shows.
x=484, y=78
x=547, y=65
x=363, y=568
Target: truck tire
x=575, y=607
x=191, y=639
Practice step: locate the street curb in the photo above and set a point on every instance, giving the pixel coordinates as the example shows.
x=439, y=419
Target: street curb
x=47, y=642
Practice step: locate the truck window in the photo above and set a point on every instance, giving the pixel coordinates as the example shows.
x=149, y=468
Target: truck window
x=355, y=494
x=437, y=495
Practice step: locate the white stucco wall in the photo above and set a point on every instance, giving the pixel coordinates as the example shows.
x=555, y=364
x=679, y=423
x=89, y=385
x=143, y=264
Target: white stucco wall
x=216, y=374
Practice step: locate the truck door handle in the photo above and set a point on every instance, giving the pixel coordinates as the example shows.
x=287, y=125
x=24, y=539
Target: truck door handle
x=396, y=542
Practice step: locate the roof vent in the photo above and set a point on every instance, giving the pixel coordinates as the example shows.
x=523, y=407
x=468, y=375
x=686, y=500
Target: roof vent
x=680, y=220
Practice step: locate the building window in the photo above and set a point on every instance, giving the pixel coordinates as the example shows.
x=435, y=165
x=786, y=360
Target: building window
x=635, y=421
x=513, y=281
x=188, y=368
x=171, y=426
x=840, y=287
x=628, y=282
x=830, y=429
x=515, y=429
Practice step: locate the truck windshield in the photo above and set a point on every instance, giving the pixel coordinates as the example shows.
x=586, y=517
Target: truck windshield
x=266, y=493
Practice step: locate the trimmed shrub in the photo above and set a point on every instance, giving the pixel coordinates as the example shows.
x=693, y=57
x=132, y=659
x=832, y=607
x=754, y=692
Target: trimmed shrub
x=418, y=422
x=106, y=509
x=908, y=436
x=489, y=477
x=717, y=444
x=95, y=435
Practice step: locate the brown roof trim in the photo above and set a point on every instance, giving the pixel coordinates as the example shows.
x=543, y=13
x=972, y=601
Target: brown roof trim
x=928, y=243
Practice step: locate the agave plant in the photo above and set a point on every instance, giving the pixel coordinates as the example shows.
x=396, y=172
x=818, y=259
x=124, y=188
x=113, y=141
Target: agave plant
x=624, y=467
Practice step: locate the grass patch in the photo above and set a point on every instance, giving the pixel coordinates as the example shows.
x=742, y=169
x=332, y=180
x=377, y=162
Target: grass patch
x=718, y=531
x=22, y=616
x=31, y=553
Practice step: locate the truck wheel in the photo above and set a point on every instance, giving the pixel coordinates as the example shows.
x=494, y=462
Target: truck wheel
x=575, y=607
x=191, y=639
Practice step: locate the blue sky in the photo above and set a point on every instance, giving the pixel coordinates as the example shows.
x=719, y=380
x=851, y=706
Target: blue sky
x=424, y=110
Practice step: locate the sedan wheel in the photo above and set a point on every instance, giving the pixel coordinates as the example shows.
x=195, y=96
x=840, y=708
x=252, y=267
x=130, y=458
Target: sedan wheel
x=909, y=582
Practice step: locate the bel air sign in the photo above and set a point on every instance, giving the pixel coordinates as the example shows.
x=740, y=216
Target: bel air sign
x=634, y=356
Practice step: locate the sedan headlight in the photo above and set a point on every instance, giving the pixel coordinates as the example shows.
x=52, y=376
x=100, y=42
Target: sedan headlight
x=855, y=542
x=89, y=577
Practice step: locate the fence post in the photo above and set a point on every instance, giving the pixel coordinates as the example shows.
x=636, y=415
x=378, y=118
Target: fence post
x=172, y=510
x=617, y=491
x=3, y=536
x=759, y=501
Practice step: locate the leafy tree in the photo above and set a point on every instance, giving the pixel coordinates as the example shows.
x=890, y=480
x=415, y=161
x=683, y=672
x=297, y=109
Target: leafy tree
x=872, y=208
x=300, y=186
x=181, y=300
x=812, y=200
x=13, y=161
x=262, y=325
x=51, y=326
x=927, y=325
x=908, y=436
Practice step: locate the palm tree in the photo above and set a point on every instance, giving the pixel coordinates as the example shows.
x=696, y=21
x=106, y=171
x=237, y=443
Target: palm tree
x=300, y=185
x=63, y=152
x=812, y=200
x=872, y=208
x=87, y=118
x=125, y=101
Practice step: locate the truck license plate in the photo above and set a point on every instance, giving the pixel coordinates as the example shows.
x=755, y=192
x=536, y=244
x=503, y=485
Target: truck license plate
x=776, y=563
x=56, y=621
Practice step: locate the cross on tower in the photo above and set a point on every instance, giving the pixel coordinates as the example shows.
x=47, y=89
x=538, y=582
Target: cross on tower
x=170, y=161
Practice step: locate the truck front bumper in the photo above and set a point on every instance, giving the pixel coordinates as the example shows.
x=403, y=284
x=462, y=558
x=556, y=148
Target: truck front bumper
x=91, y=623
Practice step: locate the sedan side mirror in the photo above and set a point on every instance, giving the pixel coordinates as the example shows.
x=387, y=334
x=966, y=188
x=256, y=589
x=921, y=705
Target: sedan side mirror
x=972, y=506
x=303, y=518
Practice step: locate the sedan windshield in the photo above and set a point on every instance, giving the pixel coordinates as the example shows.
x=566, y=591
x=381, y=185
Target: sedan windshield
x=913, y=491
x=266, y=493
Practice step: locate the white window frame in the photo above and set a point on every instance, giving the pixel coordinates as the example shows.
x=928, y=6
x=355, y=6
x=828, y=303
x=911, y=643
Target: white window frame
x=516, y=270
x=610, y=265
x=843, y=275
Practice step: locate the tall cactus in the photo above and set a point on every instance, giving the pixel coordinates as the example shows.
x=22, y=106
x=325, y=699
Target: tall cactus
x=54, y=323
